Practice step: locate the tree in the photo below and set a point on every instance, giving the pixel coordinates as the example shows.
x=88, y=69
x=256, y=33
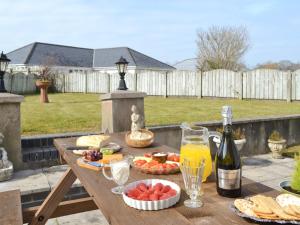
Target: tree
x=281, y=65
x=222, y=48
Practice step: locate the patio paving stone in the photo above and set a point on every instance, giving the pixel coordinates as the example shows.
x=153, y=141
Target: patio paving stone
x=28, y=181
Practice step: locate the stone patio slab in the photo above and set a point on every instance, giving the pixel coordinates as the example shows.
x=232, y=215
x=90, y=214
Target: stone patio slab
x=28, y=181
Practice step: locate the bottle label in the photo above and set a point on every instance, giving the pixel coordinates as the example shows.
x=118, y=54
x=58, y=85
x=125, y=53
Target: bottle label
x=229, y=179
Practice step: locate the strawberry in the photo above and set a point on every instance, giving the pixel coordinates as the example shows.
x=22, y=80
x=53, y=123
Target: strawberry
x=134, y=193
x=158, y=186
x=153, y=197
x=164, y=196
x=157, y=192
x=166, y=188
x=143, y=196
x=172, y=192
x=142, y=187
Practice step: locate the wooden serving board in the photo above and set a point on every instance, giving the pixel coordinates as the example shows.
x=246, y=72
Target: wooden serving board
x=106, y=159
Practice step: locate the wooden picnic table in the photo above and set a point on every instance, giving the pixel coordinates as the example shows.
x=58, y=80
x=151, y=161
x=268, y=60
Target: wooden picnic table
x=215, y=210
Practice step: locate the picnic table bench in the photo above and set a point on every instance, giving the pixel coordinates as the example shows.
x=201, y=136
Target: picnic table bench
x=215, y=210
x=11, y=211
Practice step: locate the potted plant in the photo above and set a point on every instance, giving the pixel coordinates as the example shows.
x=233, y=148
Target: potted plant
x=277, y=144
x=44, y=80
x=238, y=136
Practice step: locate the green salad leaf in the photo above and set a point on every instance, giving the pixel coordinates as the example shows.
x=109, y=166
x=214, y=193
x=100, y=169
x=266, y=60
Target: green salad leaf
x=295, y=184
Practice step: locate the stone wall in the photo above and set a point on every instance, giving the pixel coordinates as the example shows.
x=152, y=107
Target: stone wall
x=257, y=132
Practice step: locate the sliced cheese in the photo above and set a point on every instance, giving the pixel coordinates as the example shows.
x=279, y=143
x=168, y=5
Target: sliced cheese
x=91, y=140
x=107, y=158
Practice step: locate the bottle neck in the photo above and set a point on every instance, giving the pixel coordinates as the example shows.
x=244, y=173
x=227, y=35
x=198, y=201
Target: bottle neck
x=227, y=125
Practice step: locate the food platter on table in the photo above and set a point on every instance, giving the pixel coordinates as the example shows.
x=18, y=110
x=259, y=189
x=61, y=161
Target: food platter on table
x=285, y=209
x=157, y=163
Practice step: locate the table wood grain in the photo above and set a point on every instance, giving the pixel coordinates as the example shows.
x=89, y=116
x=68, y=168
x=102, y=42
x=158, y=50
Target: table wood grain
x=215, y=210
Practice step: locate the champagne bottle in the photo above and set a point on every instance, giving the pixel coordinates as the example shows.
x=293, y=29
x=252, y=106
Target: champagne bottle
x=227, y=161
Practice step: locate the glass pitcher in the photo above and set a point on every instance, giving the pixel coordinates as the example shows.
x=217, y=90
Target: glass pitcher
x=120, y=170
x=195, y=146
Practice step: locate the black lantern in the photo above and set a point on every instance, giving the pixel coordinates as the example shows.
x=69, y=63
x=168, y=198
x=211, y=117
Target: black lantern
x=3, y=65
x=122, y=68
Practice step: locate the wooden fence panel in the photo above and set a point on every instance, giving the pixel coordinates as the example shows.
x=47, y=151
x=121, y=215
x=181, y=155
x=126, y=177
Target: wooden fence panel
x=151, y=82
x=75, y=82
x=265, y=84
x=296, y=85
x=183, y=83
x=97, y=82
x=221, y=83
x=20, y=83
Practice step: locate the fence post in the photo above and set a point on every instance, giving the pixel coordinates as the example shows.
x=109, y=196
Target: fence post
x=135, y=80
x=64, y=83
x=86, y=82
x=199, y=75
x=166, y=82
x=241, y=85
x=108, y=82
x=289, y=87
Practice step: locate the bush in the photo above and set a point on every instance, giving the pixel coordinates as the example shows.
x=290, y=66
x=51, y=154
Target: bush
x=275, y=136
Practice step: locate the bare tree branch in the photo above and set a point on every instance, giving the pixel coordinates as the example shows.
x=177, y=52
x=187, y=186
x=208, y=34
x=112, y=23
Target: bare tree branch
x=222, y=48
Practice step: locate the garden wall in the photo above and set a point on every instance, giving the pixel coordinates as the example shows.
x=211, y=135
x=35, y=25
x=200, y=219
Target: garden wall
x=257, y=132
x=38, y=151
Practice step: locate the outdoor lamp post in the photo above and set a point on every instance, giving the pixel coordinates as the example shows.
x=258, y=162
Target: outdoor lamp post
x=122, y=68
x=3, y=65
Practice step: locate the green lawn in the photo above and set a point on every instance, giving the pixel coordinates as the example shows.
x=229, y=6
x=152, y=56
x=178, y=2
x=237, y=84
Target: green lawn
x=82, y=112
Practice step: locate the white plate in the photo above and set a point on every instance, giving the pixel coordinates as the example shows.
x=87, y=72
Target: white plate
x=151, y=205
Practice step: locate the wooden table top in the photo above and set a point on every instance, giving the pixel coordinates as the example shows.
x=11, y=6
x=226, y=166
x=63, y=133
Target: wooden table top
x=215, y=210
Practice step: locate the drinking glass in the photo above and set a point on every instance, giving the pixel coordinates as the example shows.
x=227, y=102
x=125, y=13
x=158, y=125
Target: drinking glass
x=120, y=170
x=192, y=175
x=195, y=146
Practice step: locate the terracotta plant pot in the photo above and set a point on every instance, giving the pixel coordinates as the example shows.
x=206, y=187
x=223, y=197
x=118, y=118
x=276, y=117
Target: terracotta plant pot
x=43, y=85
x=277, y=148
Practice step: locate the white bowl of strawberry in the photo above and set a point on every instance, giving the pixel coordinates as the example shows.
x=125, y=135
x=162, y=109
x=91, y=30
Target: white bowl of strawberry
x=151, y=194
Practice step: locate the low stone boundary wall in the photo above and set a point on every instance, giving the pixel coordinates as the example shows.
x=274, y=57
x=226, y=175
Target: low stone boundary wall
x=257, y=132
x=39, y=151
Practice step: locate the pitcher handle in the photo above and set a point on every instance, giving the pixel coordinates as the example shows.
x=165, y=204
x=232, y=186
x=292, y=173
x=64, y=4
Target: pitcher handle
x=105, y=174
x=214, y=134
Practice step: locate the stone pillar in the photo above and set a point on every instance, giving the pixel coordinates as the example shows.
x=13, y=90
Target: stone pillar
x=10, y=127
x=116, y=109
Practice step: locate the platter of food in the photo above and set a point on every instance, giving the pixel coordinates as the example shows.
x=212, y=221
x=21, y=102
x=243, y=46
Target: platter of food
x=158, y=163
x=151, y=194
x=285, y=209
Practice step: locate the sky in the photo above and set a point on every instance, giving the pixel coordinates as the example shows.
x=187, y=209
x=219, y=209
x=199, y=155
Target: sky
x=163, y=29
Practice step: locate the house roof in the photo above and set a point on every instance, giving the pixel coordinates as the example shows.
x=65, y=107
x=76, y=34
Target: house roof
x=187, y=64
x=36, y=54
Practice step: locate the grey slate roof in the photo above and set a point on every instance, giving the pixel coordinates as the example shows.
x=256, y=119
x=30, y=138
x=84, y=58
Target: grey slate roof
x=62, y=55
x=106, y=57
x=36, y=53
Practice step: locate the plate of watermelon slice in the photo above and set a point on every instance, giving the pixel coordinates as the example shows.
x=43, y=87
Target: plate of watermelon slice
x=151, y=194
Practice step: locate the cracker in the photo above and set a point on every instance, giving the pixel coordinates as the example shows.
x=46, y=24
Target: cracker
x=296, y=209
x=267, y=216
x=260, y=205
x=289, y=210
x=275, y=207
x=244, y=206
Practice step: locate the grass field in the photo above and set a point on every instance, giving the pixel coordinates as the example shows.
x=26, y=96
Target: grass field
x=82, y=112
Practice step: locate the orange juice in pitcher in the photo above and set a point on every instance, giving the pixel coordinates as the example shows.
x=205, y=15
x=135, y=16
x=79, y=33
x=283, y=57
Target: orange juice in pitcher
x=195, y=147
